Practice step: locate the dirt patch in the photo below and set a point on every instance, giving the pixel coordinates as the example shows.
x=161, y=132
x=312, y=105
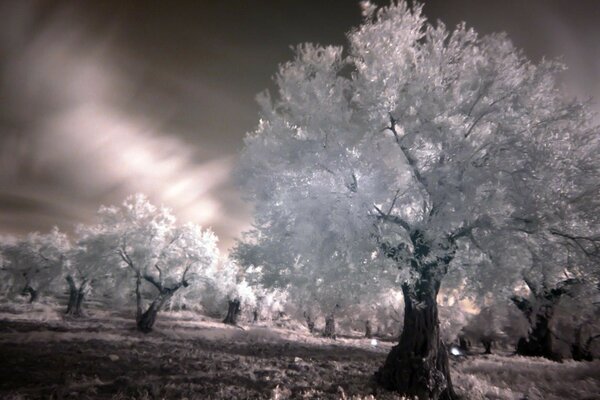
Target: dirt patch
x=157, y=366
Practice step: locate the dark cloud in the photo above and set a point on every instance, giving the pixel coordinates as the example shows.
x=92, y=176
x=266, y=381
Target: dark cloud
x=102, y=99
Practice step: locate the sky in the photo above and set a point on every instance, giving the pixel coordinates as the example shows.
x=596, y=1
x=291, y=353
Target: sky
x=101, y=99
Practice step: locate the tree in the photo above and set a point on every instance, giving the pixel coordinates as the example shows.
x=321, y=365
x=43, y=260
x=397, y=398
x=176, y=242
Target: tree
x=147, y=242
x=539, y=310
x=91, y=266
x=35, y=261
x=319, y=294
x=401, y=154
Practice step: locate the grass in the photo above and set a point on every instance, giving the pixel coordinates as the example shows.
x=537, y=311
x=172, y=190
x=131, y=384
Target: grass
x=194, y=357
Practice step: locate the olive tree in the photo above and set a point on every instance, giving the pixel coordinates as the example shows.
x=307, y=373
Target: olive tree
x=146, y=241
x=399, y=152
x=34, y=263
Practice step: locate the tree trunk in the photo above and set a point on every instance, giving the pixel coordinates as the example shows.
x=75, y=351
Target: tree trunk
x=418, y=365
x=581, y=351
x=233, y=311
x=309, y=322
x=368, y=332
x=76, y=297
x=79, y=302
x=72, y=296
x=33, y=294
x=138, y=298
x=487, y=345
x=464, y=344
x=148, y=318
x=329, y=330
x=539, y=341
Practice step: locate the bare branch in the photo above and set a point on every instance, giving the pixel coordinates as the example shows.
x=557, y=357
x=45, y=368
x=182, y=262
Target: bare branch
x=392, y=218
x=393, y=202
x=153, y=281
x=580, y=242
x=392, y=128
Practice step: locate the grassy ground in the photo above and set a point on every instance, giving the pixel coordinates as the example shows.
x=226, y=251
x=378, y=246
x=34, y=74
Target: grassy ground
x=103, y=357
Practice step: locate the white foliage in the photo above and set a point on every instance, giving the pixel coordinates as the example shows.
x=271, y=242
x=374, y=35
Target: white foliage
x=415, y=149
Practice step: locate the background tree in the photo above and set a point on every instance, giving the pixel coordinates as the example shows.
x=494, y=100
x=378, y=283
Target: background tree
x=91, y=267
x=155, y=250
x=401, y=154
x=35, y=262
x=320, y=295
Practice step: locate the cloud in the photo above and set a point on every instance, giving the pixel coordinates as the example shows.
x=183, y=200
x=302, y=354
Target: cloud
x=69, y=141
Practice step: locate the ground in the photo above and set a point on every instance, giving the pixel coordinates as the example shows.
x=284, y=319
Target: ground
x=195, y=357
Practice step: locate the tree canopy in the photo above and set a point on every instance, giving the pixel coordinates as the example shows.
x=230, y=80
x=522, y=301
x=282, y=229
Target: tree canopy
x=412, y=151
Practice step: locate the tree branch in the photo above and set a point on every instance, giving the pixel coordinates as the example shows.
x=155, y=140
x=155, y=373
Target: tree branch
x=392, y=218
x=153, y=281
x=409, y=159
x=580, y=240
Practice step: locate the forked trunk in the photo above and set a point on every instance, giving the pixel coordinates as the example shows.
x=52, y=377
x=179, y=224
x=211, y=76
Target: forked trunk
x=148, y=318
x=233, y=311
x=418, y=365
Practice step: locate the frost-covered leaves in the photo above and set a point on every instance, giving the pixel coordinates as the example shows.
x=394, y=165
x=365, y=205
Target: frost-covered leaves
x=414, y=128
x=146, y=240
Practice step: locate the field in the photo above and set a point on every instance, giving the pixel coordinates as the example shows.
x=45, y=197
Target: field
x=189, y=356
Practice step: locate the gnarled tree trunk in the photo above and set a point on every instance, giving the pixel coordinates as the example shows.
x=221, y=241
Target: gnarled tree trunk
x=464, y=344
x=138, y=298
x=76, y=297
x=148, y=318
x=329, y=330
x=309, y=322
x=487, y=344
x=368, y=331
x=33, y=294
x=580, y=350
x=418, y=365
x=233, y=311
x=539, y=341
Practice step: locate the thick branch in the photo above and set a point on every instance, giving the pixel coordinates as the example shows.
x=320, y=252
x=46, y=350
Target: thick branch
x=523, y=304
x=580, y=240
x=153, y=281
x=392, y=218
x=412, y=162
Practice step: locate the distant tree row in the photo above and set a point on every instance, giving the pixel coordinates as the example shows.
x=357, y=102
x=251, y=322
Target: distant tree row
x=136, y=250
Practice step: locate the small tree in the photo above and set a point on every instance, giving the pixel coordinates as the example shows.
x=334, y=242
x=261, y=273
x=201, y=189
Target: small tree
x=147, y=241
x=90, y=267
x=35, y=262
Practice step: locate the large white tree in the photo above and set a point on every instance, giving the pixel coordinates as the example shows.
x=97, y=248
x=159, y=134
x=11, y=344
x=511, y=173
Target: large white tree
x=147, y=241
x=400, y=152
